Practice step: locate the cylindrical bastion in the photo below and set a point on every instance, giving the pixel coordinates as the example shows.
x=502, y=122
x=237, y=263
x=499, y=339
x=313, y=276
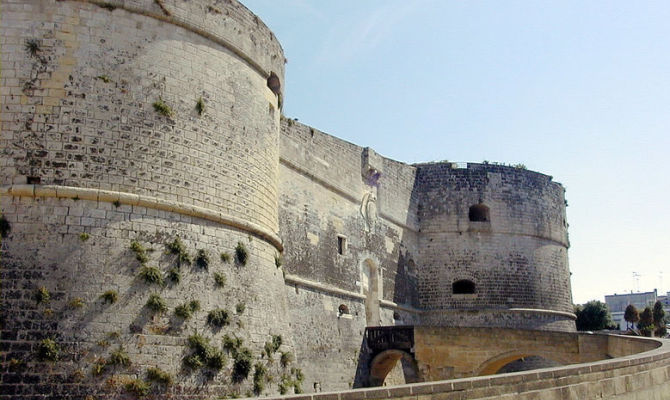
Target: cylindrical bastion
x=139, y=173
x=494, y=248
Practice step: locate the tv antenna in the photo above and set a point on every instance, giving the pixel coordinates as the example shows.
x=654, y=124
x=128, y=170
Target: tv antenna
x=636, y=276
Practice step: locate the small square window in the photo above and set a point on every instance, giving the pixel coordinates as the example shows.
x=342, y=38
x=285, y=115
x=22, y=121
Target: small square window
x=341, y=244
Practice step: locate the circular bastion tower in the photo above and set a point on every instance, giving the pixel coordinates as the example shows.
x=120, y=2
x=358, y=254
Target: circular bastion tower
x=493, y=247
x=139, y=152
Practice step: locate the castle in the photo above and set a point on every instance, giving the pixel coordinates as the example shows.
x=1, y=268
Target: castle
x=146, y=166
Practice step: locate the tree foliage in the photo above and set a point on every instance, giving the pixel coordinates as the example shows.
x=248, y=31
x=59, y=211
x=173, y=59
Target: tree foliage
x=646, y=321
x=659, y=319
x=593, y=316
x=631, y=315
x=658, y=314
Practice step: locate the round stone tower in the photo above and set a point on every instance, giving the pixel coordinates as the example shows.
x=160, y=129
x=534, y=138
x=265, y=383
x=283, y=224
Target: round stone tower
x=139, y=174
x=493, y=248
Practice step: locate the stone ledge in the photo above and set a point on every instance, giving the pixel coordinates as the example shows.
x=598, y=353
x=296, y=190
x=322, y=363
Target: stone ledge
x=109, y=196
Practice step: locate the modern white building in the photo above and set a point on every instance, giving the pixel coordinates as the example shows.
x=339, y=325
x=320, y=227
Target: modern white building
x=617, y=304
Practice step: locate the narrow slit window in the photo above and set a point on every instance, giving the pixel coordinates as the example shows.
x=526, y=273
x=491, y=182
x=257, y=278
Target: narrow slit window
x=341, y=245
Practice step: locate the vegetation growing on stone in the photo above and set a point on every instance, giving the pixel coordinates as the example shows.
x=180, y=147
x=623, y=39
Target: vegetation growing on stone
x=140, y=252
x=84, y=236
x=299, y=378
x=48, y=350
x=260, y=373
x=285, y=382
x=105, y=79
x=225, y=257
x=156, y=303
x=174, y=275
x=14, y=364
x=103, y=343
x=77, y=302
x=177, y=247
x=202, y=259
x=162, y=108
x=278, y=260
x=200, y=106
x=42, y=295
x=138, y=387
x=186, y=310
x=203, y=354
x=285, y=359
x=119, y=357
x=99, y=366
x=113, y=334
x=110, y=296
x=152, y=276
x=5, y=227
x=219, y=279
x=157, y=375
x=232, y=344
x=218, y=318
x=242, y=364
x=241, y=253
x=32, y=47
x=240, y=307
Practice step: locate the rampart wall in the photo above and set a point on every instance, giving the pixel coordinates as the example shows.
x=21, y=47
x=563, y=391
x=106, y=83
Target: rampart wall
x=323, y=197
x=638, y=373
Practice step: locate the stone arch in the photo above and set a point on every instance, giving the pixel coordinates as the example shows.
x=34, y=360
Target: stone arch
x=463, y=286
x=479, y=213
x=371, y=290
x=383, y=363
x=495, y=364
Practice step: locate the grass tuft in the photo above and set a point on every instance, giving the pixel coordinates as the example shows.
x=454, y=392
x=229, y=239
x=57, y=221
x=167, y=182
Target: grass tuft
x=241, y=253
x=156, y=303
x=110, y=296
x=162, y=108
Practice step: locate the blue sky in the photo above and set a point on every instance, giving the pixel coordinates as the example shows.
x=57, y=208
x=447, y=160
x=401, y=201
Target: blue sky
x=577, y=90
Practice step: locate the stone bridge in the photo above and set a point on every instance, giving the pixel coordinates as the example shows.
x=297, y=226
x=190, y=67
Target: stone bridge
x=408, y=354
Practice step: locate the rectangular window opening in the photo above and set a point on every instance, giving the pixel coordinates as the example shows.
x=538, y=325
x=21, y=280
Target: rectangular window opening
x=341, y=244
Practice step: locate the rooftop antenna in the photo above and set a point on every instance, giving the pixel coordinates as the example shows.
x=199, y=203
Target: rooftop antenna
x=636, y=276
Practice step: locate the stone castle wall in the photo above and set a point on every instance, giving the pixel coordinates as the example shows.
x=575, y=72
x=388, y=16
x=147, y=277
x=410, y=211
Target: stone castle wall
x=516, y=257
x=322, y=197
x=90, y=165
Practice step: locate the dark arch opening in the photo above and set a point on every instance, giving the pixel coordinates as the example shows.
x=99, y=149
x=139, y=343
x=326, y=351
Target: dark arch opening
x=479, y=213
x=343, y=309
x=526, y=364
x=383, y=363
x=463, y=286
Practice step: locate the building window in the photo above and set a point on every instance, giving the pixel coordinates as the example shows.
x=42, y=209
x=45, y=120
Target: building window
x=341, y=244
x=479, y=213
x=463, y=286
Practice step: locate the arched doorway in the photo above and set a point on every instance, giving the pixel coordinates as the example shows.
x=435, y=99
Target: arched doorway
x=370, y=285
x=393, y=367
